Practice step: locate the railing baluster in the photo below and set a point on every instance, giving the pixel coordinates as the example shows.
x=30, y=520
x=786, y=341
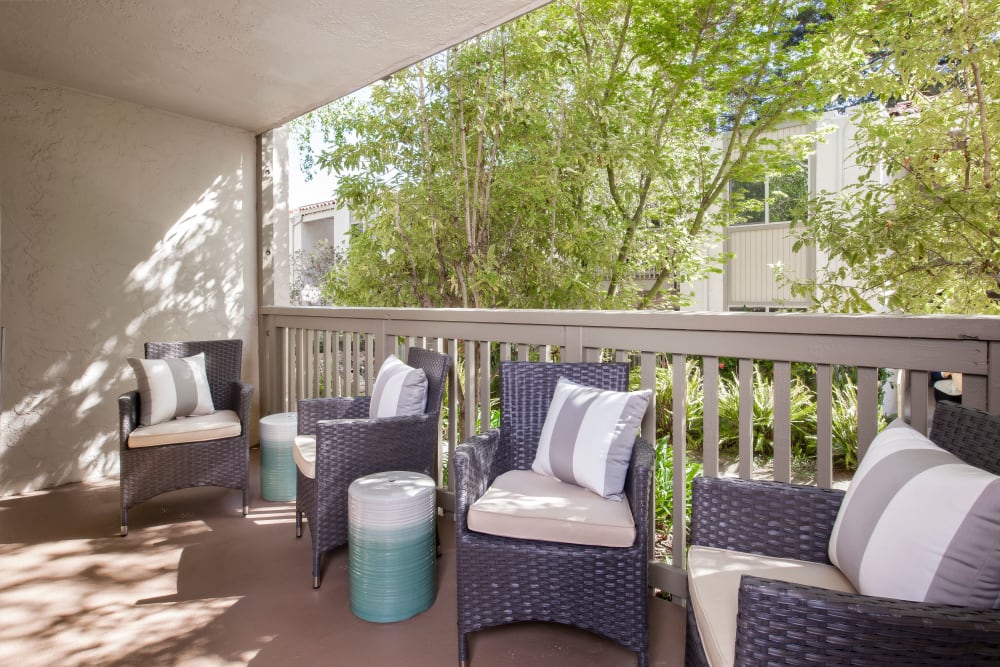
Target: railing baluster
x=484, y=386
x=710, y=417
x=824, y=426
x=647, y=380
x=679, y=451
x=356, y=364
x=469, y=418
x=453, y=416
x=782, y=421
x=746, y=372
x=301, y=365
x=867, y=408
x=317, y=362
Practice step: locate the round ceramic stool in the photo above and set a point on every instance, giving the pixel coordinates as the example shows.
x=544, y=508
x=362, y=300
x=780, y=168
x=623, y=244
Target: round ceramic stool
x=391, y=545
x=277, y=466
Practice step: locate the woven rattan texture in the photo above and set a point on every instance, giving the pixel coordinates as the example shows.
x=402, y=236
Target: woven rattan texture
x=502, y=580
x=791, y=521
x=149, y=471
x=789, y=624
x=350, y=445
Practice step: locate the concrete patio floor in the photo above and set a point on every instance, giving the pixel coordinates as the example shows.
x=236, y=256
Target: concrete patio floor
x=195, y=583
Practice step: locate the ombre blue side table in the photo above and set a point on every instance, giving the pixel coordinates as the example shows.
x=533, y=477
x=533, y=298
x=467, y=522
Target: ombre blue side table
x=391, y=545
x=277, y=466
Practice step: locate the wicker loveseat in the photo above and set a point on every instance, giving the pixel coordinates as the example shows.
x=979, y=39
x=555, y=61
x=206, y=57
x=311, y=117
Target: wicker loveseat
x=793, y=624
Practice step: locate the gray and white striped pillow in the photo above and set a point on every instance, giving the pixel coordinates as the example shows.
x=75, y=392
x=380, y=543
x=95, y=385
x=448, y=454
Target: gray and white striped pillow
x=588, y=435
x=170, y=388
x=399, y=390
x=919, y=524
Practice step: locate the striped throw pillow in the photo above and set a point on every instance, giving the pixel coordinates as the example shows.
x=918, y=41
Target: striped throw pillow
x=919, y=524
x=399, y=390
x=588, y=435
x=170, y=388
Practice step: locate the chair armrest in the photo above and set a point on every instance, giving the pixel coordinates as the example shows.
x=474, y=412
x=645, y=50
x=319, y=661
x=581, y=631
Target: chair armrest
x=639, y=487
x=312, y=410
x=786, y=623
x=476, y=463
x=245, y=393
x=767, y=518
x=350, y=448
x=128, y=416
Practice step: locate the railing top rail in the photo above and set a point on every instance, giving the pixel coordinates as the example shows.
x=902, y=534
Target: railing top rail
x=947, y=327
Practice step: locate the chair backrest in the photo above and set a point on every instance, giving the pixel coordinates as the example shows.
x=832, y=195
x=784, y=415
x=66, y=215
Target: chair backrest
x=436, y=367
x=526, y=390
x=970, y=434
x=223, y=360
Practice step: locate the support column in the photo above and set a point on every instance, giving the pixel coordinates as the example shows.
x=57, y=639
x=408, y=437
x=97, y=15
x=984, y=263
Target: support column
x=273, y=260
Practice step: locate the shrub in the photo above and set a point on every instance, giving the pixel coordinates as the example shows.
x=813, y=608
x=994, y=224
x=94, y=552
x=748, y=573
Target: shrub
x=803, y=415
x=664, y=483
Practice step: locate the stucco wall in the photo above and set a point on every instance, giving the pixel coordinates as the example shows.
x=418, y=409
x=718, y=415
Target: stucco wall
x=118, y=224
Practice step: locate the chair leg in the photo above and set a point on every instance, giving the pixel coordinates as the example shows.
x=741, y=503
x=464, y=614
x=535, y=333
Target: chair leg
x=463, y=649
x=643, y=659
x=124, y=526
x=317, y=556
x=246, y=501
x=298, y=523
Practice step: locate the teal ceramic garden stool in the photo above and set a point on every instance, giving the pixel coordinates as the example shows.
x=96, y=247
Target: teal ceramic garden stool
x=277, y=466
x=391, y=545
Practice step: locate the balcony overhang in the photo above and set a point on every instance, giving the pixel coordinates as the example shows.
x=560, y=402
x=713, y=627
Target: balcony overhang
x=252, y=64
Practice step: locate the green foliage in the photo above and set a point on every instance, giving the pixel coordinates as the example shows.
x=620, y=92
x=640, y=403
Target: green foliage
x=803, y=415
x=548, y=162
x=803, y=422
x=664, y=485
x=694, y=407
x=919, y=233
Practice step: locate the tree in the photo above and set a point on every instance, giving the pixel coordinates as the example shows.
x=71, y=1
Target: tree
x=921, y=231
x=548, y=162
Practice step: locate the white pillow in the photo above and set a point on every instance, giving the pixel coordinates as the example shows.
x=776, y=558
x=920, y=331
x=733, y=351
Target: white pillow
x=170, y=388
x=399, y=390
x=588, y=436
x=919, y=524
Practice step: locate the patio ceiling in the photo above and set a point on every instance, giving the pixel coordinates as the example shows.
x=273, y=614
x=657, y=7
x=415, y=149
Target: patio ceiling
x=252, y=64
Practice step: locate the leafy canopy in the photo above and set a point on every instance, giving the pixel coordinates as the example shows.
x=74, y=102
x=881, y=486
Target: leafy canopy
x=921, y=230
x=547, y=163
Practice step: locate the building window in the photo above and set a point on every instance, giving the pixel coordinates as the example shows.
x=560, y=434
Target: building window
x=776, y=199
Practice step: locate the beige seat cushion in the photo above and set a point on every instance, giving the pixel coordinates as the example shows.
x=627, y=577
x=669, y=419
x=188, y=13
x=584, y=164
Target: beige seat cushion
x=714, y=585
x=527, y=505
x=304, y=453
x=221, y=424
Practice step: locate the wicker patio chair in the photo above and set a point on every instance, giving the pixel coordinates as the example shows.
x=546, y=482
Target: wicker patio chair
x=782, y=623
x=150, y=471
x=505, y=580
x=350, y=445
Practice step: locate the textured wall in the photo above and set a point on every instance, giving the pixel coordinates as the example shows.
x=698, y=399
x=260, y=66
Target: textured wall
x=120, y=224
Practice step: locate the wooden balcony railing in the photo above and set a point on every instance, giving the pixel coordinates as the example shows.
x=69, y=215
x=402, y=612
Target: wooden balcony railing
x=308, y=352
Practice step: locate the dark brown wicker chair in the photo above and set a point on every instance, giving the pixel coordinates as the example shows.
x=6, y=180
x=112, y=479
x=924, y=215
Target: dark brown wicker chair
x=504, y=580
x=150, y=471
x=788, y=624
x=350, y=445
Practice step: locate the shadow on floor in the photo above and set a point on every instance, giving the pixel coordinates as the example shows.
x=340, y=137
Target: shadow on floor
x=196, y=583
